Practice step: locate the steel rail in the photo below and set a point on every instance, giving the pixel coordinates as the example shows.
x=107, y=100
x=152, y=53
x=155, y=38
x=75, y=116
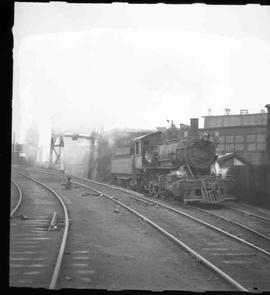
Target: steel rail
x=64, y=238
x=249, y=206
x=174, y=239
x=20, y=198
x=248, y=213
x=235, y=222
x=140, y=196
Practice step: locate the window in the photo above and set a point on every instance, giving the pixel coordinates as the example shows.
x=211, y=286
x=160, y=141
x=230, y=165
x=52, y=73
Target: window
x=137, y=147
x=239, y=138
x=229, y=147
x=229, y=139
x=251, y=138
x=261, y=146
x=239, y=147
x=221, y=139
x=185, y=133
x=251, y=147
x=216, y=133
x=261, y=138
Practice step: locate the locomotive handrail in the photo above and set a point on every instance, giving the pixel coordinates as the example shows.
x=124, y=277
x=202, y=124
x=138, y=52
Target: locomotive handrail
x=190, y=171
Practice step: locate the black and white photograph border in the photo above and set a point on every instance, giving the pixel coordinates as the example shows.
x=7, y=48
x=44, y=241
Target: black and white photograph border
x=139, y=143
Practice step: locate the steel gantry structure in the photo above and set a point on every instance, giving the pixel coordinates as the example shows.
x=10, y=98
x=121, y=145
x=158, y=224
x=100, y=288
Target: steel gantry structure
x=57, y=144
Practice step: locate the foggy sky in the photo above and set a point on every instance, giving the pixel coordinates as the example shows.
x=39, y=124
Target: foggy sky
x=84, y=66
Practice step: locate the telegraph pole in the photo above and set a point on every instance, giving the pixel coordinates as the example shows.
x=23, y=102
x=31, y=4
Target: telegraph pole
x=268, y=150
x=14, y=142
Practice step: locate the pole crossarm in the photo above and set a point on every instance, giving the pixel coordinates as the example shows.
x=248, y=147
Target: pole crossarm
x=73, y=135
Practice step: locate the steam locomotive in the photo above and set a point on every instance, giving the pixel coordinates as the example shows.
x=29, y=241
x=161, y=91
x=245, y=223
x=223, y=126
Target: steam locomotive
x=176, y=162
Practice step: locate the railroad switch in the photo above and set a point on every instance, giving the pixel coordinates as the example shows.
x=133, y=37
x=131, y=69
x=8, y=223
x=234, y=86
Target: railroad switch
x=23, y=217
x=53, y=225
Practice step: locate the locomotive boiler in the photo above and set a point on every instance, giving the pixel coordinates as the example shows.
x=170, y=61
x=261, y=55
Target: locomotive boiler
x=176, y=162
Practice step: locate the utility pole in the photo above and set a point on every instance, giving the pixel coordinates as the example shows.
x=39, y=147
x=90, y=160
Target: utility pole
x=14, y=142
x=91, y=156
x=268, y=151
x=94, y=154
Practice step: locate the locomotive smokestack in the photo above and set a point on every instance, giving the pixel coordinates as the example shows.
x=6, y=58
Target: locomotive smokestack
x=194, y=127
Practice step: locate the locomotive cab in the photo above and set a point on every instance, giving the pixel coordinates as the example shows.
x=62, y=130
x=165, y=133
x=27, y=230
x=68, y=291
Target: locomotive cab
x=145, y=150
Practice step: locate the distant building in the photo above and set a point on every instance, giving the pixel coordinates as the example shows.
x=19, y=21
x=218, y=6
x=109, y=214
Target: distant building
x=31, y=148
x=18, y=155
x=226, y=162
x=76, y=156
x=244, y=134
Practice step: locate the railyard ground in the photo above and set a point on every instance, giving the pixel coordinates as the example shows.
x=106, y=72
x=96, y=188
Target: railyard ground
x=109, y=248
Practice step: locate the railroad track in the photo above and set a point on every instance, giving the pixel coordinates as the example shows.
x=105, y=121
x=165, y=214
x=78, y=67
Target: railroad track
x=250, y=212
x=15, y=202
x=248, y=227
x=255, y=209
x=260, y=227
x=39, y=210
x=250, y=257
x=238, y=256
x=69, y=262
x=254, y=224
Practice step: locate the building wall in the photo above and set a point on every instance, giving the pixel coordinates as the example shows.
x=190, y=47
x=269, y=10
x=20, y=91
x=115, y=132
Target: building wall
x=245, y=135
x=235, y=120
x=248, y=142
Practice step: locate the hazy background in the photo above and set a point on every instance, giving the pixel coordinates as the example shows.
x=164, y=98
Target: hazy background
x=85, y=66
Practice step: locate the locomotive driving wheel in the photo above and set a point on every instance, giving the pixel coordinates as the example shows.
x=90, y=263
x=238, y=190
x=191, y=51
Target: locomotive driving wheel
x=180, y=196
x=156, y=190
x=150, y=189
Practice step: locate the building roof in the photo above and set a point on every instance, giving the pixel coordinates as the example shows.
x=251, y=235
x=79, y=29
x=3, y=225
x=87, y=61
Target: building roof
x=226, y=156
x=126, y=130
x=145, y=135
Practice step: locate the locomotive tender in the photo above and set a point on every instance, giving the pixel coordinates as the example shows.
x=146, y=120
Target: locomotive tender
x=176, y=162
